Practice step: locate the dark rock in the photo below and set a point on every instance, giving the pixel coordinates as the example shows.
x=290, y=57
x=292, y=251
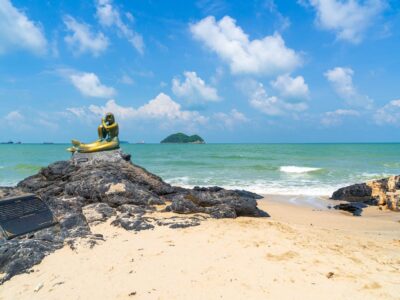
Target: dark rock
x=132, y=222
x=355, y=208
x=20, y=254
x=133, y=209
x=179, y=222
x=184, y=225
x=221, y=211
x=354, y=193
x=181, y=205
x=97, y=212
x=196, y=200
x=91, y=188
x=6, y=192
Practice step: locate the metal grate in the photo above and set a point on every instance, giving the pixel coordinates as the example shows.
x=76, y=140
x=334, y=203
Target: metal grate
x=24, y=214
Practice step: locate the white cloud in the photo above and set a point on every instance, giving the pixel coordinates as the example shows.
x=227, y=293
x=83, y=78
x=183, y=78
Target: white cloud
x=292, y=88
x=110, y=16
x=17, y=31
x=388, y=114
x=121, y=112
x=271, y=105
x=14, y=116
x=79, y=112
x=332, y=118
x=161, y=108
x=125, y=79
x=342, y=81
x=283, y=22
x=15, y=120
x=259, y=56
x=229, y=120
x=194, y=88
x=89, y=85
x=83, y=39
x=42, y=122
x=212, y=6
x=349, y=19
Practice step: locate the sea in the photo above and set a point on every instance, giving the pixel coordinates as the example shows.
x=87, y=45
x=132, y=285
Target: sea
x=276, y=169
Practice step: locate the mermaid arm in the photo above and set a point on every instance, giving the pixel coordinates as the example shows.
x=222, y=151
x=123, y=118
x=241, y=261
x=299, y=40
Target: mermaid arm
x=109, y=127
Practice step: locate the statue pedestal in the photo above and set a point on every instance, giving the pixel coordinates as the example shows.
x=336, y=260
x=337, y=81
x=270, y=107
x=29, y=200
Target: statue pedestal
x=96, y=157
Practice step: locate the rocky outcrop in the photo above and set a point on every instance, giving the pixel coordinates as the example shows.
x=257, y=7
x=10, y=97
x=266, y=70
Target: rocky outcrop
x=91, y=188
x=359, y=192
x=383, y=192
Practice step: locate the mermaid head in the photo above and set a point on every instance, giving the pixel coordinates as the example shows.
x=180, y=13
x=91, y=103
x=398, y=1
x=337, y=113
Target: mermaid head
x=110, y=118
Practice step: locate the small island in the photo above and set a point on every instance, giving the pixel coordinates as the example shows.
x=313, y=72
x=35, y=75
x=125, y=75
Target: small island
x=181, y=138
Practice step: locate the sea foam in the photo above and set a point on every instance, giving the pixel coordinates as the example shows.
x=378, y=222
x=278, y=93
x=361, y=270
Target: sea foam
x=297, y=170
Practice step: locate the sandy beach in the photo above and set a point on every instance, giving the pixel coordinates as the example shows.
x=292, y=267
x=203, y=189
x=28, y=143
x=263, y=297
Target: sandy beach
x=299, y=250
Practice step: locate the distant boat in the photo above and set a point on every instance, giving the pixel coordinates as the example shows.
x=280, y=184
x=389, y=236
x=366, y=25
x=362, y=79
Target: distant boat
x=140, y=142
x=47, y=143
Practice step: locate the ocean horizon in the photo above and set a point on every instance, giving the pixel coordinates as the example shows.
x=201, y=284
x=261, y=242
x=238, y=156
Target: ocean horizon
x=315, y=169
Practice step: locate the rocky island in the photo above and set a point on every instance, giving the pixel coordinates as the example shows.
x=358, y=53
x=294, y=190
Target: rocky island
x=181, y=138
x=93, y=187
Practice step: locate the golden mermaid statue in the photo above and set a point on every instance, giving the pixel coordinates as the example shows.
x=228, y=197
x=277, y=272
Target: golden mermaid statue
x=108, y=137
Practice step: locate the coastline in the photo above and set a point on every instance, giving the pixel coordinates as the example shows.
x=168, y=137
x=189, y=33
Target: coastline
x=298, y=250
x=262, y=168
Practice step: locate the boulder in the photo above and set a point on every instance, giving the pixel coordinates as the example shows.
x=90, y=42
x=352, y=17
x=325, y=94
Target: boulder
x=97, y=212
x=359, y=192
x=383, y=192
x=93, y=187
x=355, y=208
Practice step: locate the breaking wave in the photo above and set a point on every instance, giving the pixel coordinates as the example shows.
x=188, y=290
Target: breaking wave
x=297, y=170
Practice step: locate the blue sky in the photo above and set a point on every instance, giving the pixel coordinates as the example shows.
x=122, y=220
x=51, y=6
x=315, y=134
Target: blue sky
x=231, y=71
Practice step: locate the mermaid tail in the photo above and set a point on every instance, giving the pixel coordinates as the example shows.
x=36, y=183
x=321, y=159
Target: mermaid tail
x=75, y=143
x=72, y=149
x=100, y=145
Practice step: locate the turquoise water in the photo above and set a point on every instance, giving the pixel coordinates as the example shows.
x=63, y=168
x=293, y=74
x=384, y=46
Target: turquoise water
x=293, y=169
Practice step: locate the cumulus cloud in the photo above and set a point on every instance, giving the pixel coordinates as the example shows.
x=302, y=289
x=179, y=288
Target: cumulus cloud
x=89, y=85
x=18, y=32
x=161, y=108
x=268, y=55
x=109, y=16
x=271, y=105
x=292, y=88
x=14, y=116
x=82, y=39
x=349, y=19
x=229, y=120
x=342, y=82
x=332, y=118
x=388, y=114
x=194, y=88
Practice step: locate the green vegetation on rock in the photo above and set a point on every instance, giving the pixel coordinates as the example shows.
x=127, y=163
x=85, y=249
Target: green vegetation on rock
x=183, y=138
